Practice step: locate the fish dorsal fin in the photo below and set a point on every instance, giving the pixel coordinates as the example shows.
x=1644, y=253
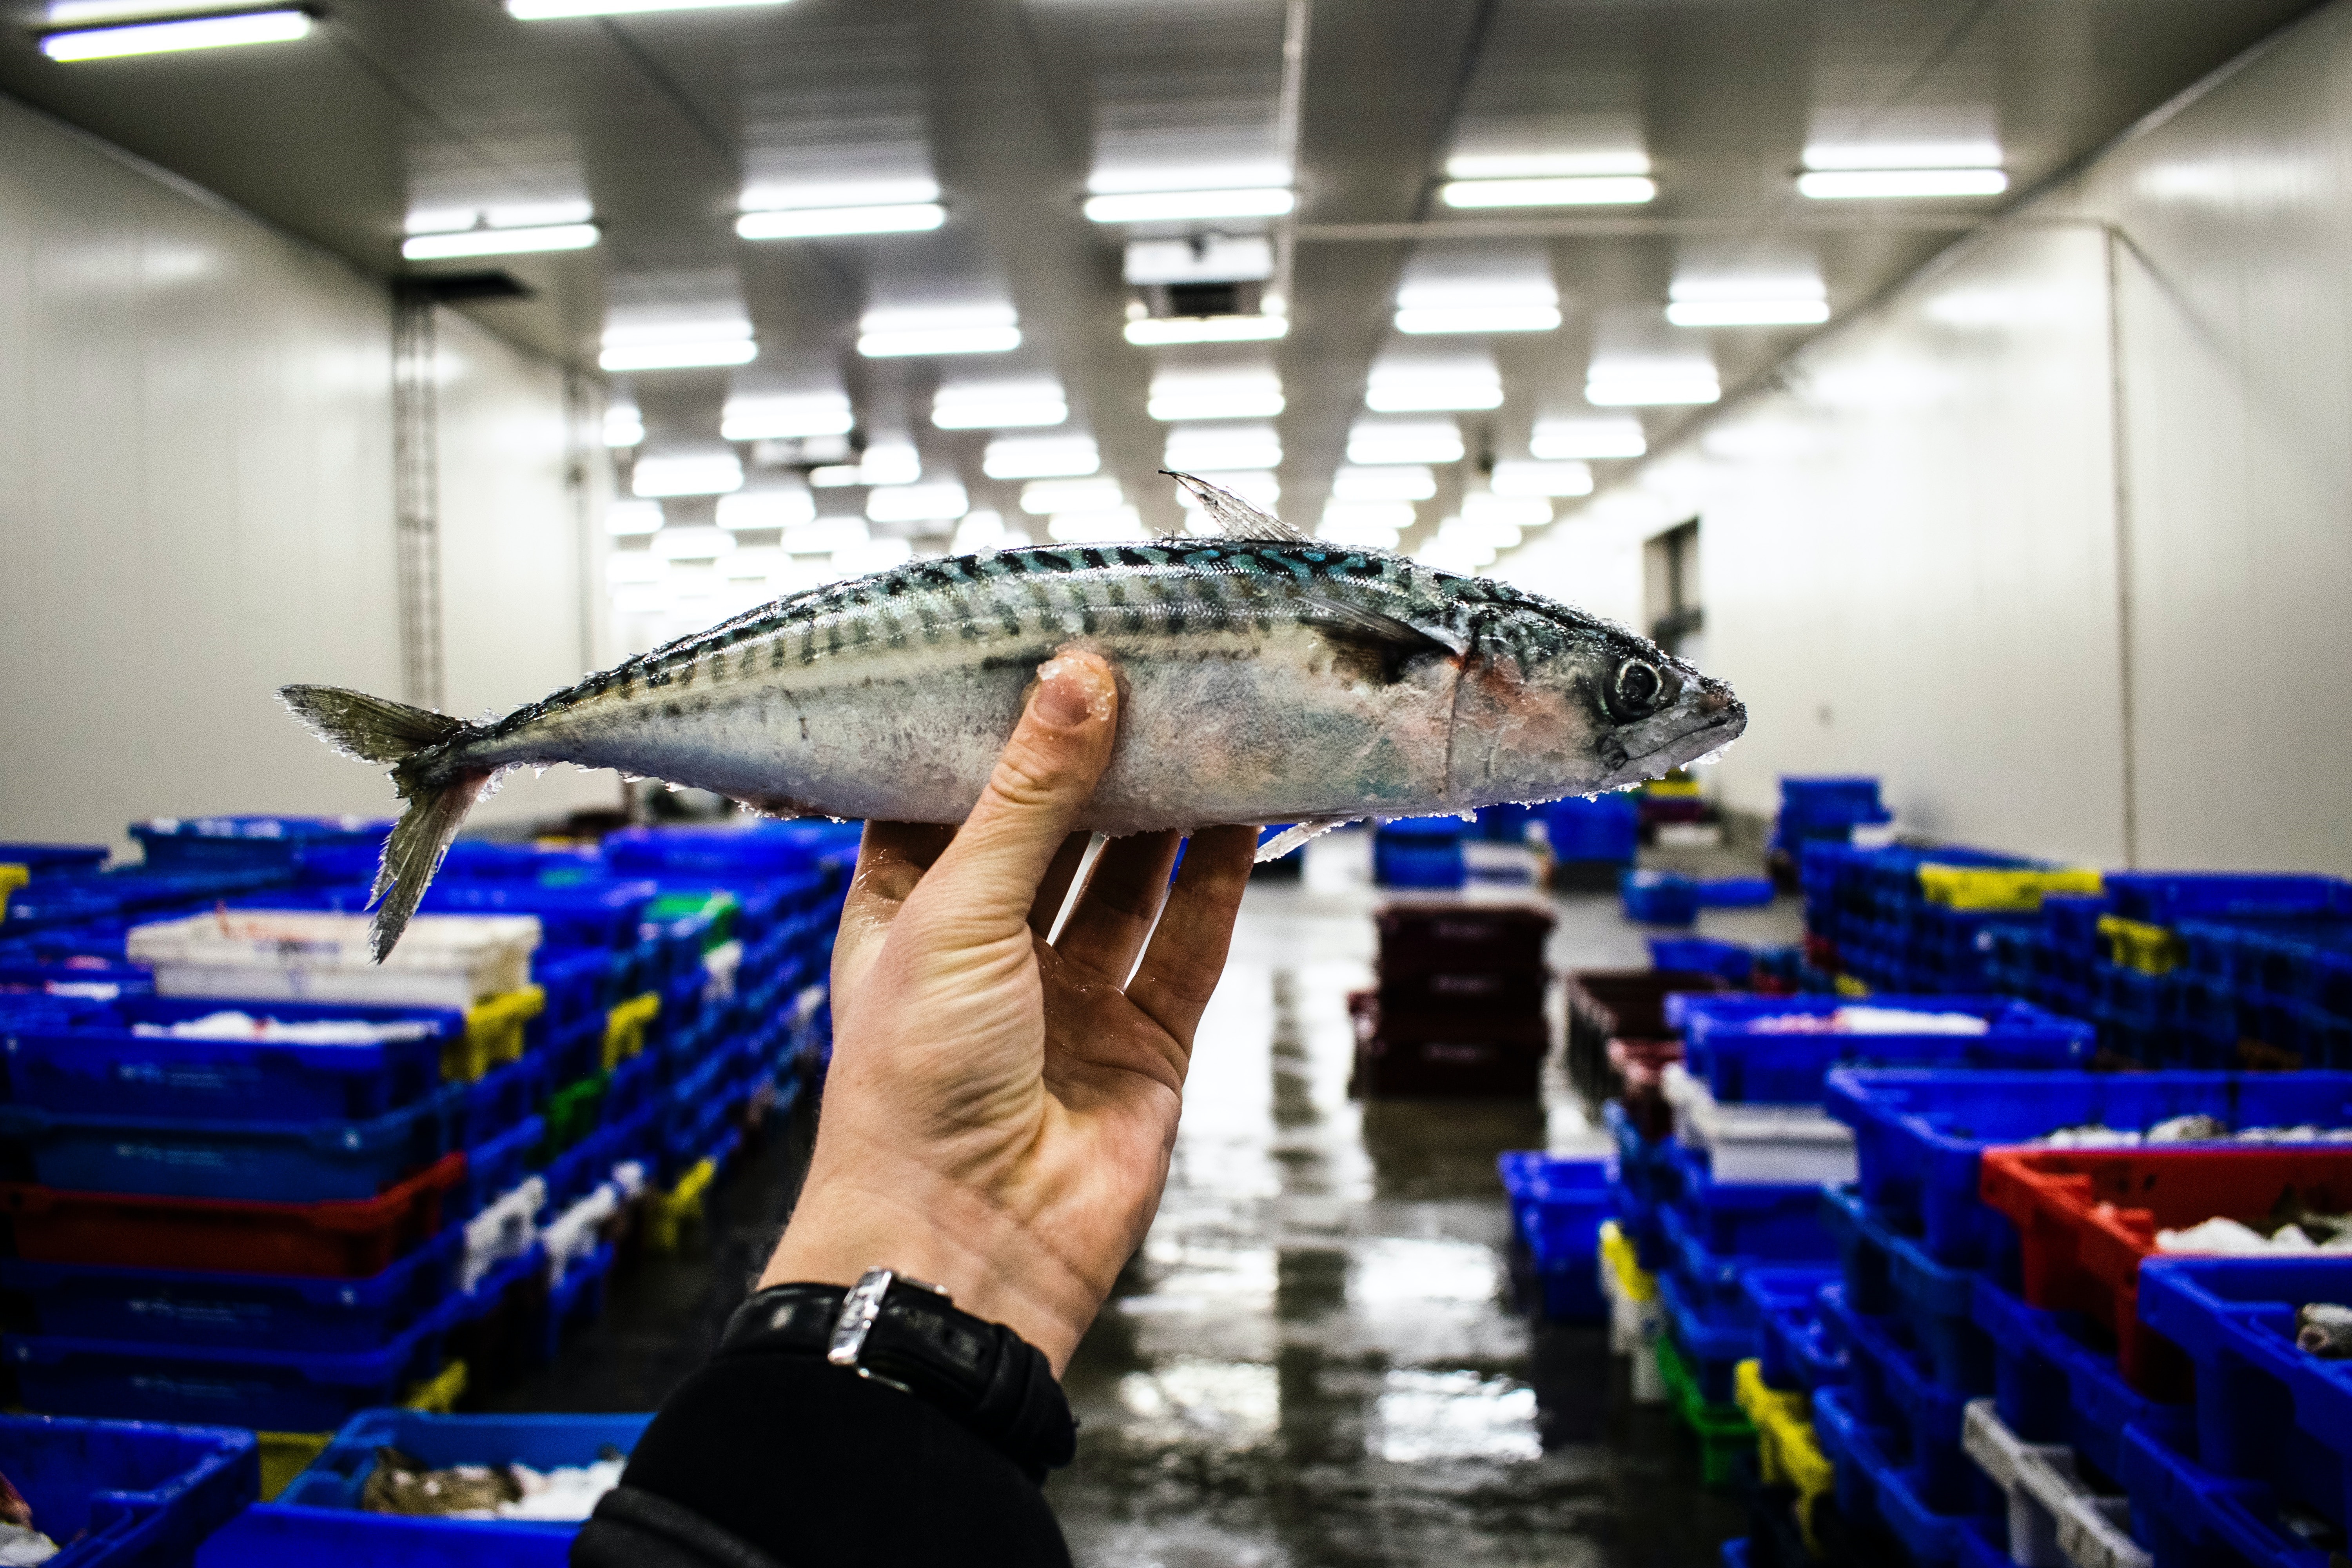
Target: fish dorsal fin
x=1235, y=518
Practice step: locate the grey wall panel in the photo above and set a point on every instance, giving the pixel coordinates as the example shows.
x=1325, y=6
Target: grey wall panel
x=194, y=499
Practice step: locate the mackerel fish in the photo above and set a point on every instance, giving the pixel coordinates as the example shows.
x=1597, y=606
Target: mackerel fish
x=1265, y=676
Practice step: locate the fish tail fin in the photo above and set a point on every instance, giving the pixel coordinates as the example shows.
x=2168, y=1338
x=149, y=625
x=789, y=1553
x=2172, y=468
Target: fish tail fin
x=438, y=792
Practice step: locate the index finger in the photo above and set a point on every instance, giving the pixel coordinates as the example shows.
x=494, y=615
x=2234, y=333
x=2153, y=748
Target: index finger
x=892, y=859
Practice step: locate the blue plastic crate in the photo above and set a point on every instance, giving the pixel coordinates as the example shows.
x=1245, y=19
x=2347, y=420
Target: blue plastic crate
x=2265, y=1410
x=1730, y=1041
x=1658, y=898
x=1887, y=1272
x=1714, y=1337
x=1714, y=1277
x=2054, y=1386
x=270, y=1389
x=761, y=849
x=283, y=842
x=1873, y=1487
x=1602, y=827
x=496, y=1166
x=268, y=1311
x=2167, y=898
x=1734, y=892
x=1732, y=960
x=1557, y=1205
x=572, y=978
x=53, y=860
x=500, y=1098
x=1777, y=1221
x=99, y=1064
x=1918, y=1130
x=1893, y=1387
x=482, y=860
x=1793, y=1346
x=602, y=915
x=123, y=1494
x=269, y=1161
x=578, y=1297
x=1418, y=852
x=2185, y=1514
x=317, y=1518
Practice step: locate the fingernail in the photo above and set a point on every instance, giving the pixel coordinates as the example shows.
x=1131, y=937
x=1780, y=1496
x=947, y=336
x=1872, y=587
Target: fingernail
x=1068, y=689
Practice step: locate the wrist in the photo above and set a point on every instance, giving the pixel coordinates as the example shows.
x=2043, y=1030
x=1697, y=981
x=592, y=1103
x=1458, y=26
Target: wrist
x=986, y=1263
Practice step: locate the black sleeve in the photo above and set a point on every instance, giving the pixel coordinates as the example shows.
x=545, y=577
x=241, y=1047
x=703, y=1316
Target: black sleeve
x=776, y=1459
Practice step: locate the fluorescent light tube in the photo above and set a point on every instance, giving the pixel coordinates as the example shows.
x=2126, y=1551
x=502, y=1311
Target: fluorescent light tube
x=1194, y=449
x=1425, y=320
x=633, y=566
x=1970, y=153
x=623, y=426
x=746, y=509
x=692, y=542
x=1396, y=481
x=546, y=10
x=871, y=555
x=1581, y=191
x=1155, y=206
x=695, y=476
x=1523, y=479
x=684, y=354
x=1530, y=165
x=1357, y=535
x=1405, y=441
x=1259, y=487
x=1096, y=527
x=890, y=463
x=816, y=223
x=1877, y=184
x=1559, y=440
x=631, y=519
x=786, y=418
x=980, y=530
x=1398, y=515
x=499, y=241
x=1213, y=396
x=941, y=501
x=998, y=405
x=1157, y=331
x=1453, y=553
x=825, y=536
x=276, y=27
x=835, y=476
x=1407, y=395
x=1747, y=312
x=1043, y=496
x=1481, y=510
x=1651, y=391
x=905, y=342
x=1041, y=457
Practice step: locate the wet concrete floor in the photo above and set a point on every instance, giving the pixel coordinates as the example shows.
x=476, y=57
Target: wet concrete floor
x=1314, y=1361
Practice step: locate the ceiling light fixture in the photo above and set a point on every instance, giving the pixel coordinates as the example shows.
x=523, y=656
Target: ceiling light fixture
x=1425, y=320
x=747, y=510
x=1531, y=165
x=825, y=535
x=1215, y=395
x=1574, y=191
x=623, y=425
x=691, y=541
x=684, y=348
x=276, y=25
x=549, y=10
x=902, y=332
x=998, y=405
x=1357, y=535
x=1524, y=478
x=787, y=417
x=1196, y=448
x=1096, y=527
x=942, y=501
x=631, y=519
x=818, y=223
x=1041, y=456
x=1158, y=331
x=686, y=476
x=1394, y=515
x=1611, y=435
x=499, y=241
x=1653, y=389
x=1432, y=393
x=1397, y=481
x=1159, y=206
x=1046, y=496
x=1405, y=441
x=1884, y=184
x=894, y=462
x=1483, y=509
x=1783, y=313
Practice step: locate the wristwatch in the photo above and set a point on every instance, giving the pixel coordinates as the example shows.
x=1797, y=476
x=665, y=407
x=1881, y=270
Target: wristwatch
x=897, y=1330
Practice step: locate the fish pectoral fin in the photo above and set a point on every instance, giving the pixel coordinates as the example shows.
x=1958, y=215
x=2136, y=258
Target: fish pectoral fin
x=1387, y=630
x=1297, y=834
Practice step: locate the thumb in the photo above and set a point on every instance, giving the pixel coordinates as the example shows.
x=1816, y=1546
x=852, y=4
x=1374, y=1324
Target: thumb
x=989, y=874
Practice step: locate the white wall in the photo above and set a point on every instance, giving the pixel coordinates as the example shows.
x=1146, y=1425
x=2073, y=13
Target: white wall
x=2105, y=449
x=195, y=506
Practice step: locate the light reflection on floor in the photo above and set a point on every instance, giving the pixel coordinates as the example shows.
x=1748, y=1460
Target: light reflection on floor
x=1314, y=1359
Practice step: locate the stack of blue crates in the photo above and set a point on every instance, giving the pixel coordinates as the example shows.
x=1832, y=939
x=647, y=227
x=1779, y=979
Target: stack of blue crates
x=1602, y=830
x=1556, y=1210
x=1825, y=810
x=1420, y=852
x=1868, y=908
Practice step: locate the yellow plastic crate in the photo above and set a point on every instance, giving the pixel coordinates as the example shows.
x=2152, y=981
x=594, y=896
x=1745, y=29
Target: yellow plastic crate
x=1634, y=1282
x=2134, y=944
x=439, y=1394
x=12, y=876
x=1848, y=985
x=1979, y=888
x=1787, y=1453
x=493, y=1034
x=285, y=1455
x=671, y=1214
x=625, y=1027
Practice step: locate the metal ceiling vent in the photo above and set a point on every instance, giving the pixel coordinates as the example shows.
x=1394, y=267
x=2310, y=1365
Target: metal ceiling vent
x=1206, y=274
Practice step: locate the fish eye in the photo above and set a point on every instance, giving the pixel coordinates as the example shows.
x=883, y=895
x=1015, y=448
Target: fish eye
x=1635, y=691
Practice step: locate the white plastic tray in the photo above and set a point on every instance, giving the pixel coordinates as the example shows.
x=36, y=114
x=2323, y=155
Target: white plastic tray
x=1766, y=1142
x=2056, y=1519
x=442, y=960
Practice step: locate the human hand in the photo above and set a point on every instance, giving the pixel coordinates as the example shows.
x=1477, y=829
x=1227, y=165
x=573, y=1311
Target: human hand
x=999, y=1110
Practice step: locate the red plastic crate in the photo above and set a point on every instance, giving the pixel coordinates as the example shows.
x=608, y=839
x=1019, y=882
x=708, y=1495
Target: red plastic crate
x=2087, y=1217
x=332, y=1240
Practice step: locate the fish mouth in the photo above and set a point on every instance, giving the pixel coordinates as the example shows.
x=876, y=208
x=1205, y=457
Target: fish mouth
x=1682, y=735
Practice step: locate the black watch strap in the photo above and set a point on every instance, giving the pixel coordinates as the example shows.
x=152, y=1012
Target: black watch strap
x=982, y=1374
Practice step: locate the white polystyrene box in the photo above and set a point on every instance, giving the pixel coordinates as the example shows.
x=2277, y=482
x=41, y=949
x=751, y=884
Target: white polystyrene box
x=442, y=961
